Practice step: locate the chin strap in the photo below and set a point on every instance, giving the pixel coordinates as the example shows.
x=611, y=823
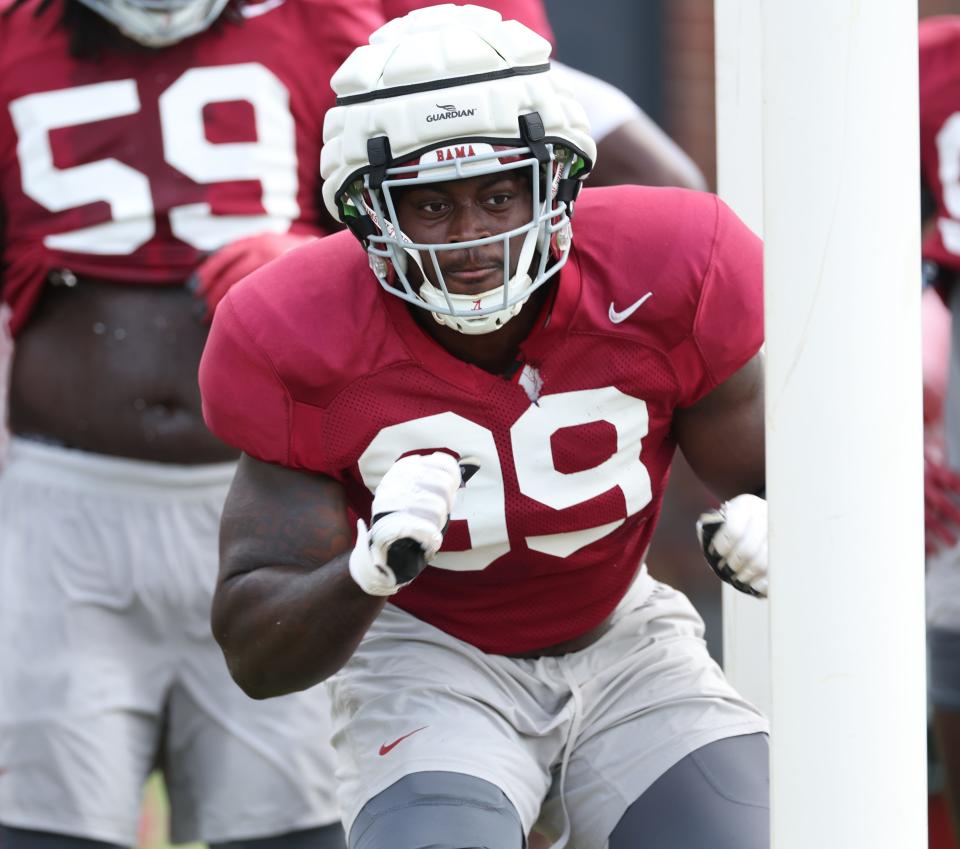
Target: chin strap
x=481, y=324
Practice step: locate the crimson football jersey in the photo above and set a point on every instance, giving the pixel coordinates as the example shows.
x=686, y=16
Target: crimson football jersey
x=311, y=365
x=133, y=167
x=940, y=134
x=530, y=13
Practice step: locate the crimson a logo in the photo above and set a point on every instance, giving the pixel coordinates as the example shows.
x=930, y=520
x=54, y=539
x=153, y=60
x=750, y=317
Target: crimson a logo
x=450, y=111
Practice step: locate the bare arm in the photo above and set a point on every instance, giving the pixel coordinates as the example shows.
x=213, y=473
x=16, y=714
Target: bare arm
x=286, y=612
x=722, y=435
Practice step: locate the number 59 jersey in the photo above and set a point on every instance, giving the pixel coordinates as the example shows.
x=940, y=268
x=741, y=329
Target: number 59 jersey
x=313, y=366
x=134, y=166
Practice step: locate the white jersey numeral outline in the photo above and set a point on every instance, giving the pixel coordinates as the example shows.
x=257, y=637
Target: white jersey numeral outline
x=271, y=159
x=482, y=503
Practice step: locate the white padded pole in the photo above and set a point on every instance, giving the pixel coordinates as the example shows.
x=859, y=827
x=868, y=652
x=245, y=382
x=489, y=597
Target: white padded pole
x=844, y=481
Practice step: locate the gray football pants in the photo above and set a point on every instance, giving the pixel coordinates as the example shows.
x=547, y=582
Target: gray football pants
x=715, y=798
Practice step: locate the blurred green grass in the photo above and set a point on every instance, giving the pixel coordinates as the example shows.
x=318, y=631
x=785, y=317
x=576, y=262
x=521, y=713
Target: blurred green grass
x=154, y=833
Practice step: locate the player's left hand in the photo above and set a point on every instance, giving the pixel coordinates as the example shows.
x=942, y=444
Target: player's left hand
x=734, y=541
x=221, y=270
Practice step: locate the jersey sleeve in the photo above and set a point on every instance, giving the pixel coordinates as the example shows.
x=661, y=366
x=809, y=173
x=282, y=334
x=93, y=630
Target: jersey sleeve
x=728, y=323
x=245, y=403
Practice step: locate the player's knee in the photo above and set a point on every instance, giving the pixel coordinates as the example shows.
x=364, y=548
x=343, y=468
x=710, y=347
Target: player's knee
x=324, y=837
x=24, y=838
x=438, y=810
x=717, y=797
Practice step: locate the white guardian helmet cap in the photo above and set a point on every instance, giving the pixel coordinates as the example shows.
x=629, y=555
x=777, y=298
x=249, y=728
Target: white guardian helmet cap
x=452, y=92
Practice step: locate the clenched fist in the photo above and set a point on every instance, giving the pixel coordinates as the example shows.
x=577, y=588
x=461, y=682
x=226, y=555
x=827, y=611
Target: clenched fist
x=734, y=541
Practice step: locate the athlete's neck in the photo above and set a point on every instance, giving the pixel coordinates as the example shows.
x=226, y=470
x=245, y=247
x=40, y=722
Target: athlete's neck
x=496, y=352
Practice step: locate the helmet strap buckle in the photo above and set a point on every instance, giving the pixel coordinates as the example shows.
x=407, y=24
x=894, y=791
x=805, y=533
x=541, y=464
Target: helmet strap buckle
x=534, y=136
x=379, y=156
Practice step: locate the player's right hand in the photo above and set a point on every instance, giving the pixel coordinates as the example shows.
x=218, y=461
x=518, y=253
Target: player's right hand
x=941, y=496
x=218, y=273
x=412, y=502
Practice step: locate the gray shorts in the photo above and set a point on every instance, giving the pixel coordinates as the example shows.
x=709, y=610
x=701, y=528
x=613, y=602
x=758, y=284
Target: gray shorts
x=108, y=666
x=616, y=715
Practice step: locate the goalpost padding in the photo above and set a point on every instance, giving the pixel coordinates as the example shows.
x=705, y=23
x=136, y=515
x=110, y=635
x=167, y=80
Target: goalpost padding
x=844, y=447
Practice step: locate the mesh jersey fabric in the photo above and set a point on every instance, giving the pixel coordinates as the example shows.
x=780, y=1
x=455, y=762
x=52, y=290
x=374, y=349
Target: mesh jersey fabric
x=311, y=365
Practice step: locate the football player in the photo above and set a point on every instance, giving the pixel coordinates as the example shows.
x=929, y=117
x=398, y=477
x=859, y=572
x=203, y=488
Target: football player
x=631, y=148
x=143, y=143
x=478, y=379
x=940, y=177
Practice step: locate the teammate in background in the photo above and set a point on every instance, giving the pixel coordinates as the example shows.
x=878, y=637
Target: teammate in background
x=631, y=148
x=135, y=138
x=529, y=389
x=940, y=175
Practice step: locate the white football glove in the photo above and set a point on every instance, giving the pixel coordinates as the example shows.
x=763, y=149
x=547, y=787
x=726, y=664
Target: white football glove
x=412, y=503
x=734, y=541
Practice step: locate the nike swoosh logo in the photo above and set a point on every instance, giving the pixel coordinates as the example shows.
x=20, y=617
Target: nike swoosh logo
x=255, y=10
x=623, y=315
x=386, y=748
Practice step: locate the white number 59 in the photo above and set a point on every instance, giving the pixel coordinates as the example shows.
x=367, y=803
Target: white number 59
x=271, y=159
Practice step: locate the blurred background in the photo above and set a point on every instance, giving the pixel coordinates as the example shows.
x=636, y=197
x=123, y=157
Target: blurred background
x=661, y=53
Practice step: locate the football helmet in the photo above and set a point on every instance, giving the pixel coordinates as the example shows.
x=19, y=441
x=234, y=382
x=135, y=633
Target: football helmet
x=158, y=23
x=452, y=92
